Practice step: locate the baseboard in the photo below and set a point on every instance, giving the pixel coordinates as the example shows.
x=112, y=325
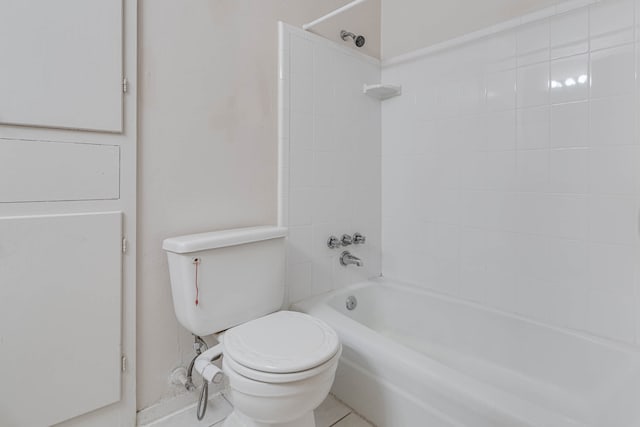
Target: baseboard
x=180, y=411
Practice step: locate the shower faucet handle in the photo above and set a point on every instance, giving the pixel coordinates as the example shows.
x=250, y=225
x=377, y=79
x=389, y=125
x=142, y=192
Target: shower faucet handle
x=333, y=242
x=359, y=239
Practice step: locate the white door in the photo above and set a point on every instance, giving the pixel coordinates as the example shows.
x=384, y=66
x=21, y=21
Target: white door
x=61, y=63
x=60, y=316
x=67, y=212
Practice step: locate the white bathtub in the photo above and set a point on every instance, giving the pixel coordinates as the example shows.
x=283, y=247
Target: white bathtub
x=416, y=358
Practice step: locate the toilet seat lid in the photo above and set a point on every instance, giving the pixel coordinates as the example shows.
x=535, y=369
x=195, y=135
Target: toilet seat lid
x=282, y=342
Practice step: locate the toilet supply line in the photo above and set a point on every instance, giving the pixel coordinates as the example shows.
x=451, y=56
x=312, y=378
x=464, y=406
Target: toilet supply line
x=210, y=372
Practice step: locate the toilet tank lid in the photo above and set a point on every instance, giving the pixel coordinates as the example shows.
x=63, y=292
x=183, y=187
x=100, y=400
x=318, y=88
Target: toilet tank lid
x=222, y=238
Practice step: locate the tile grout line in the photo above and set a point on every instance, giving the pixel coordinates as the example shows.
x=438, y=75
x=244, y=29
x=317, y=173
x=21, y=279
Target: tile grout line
x=341, y=419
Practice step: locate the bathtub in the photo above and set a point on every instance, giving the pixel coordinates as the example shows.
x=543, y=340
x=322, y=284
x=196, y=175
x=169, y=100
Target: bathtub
x=417, y=358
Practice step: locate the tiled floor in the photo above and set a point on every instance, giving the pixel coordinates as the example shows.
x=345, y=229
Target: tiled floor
x=333, y=413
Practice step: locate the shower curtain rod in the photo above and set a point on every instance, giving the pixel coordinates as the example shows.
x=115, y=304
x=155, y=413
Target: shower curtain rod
x=332, y=14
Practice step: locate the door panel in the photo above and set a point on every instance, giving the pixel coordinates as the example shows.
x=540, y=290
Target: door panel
x=37, y=171
x=60, y=316
x=61, y=63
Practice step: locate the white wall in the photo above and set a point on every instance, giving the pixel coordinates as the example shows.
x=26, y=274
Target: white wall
x=208, y=140
x=408, y=25
x=330, y=140
x=502, y=190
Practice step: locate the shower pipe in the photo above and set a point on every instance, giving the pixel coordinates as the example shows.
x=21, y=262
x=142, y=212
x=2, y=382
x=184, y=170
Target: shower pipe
x=330, y=15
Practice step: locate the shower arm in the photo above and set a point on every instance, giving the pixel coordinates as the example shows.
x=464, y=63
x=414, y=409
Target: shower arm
x=330, y=15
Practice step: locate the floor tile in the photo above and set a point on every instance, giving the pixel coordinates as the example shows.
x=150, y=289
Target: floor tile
x=330, y=412
x=352, y=420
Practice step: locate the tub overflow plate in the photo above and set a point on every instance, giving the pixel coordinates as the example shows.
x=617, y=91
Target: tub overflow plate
x=351, y=302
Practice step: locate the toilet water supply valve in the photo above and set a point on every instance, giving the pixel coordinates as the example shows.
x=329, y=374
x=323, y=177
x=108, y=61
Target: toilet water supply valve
x=204, y=366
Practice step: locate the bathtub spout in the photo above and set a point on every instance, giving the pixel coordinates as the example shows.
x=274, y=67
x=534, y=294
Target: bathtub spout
x=348, y=259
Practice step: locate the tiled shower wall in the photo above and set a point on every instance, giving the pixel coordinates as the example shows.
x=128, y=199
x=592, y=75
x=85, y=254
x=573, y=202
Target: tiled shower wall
x=330, y=148
x=511, y=171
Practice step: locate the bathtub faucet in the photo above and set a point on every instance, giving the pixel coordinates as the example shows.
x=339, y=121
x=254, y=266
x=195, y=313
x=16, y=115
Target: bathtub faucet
x=347, y=259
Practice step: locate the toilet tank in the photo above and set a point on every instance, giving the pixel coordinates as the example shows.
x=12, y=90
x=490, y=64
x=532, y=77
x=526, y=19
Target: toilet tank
x=223, y=278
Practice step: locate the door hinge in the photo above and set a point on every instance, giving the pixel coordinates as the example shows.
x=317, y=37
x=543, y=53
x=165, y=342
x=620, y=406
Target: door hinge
x=125, y=85
x=124, y=363
x=124, y=245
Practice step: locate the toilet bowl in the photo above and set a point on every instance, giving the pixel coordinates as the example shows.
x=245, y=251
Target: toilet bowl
x=279, y=368
x=278, y=365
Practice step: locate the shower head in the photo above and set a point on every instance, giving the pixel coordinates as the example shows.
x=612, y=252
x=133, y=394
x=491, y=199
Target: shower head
x=358, y=40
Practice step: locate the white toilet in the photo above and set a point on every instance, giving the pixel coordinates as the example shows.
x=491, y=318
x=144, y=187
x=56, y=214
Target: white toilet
x=279, y=366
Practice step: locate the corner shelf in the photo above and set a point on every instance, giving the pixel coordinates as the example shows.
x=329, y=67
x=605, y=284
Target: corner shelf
x=382, y=91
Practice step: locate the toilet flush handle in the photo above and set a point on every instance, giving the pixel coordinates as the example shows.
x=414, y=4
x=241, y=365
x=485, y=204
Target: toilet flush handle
x=208, y=370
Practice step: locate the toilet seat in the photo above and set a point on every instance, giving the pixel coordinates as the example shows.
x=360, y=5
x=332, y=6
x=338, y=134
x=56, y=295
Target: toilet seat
x=268, y=377
x=281, y=347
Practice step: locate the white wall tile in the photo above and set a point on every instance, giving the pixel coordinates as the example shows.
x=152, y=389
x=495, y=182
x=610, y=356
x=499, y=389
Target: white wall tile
x=533, y=170
x=612, y=268
x=568, y=263
x=473, y=170
x=533, y=257
x=612, y=121
x=325, y=135
x=611, y=23
x=501, y=130
x=570, y=125
x=326, y=78
x=322, y=279
x=301, y=89
x=533, y=300
x=301, y=166
x=299, y=281
x=569, y=307
x=301, y=55
x=501, y=51
x=501, y=90
x=299, y=248
x=448, y=169
x=301, y=206
x=532, y=212
x=501, y=170
x=611, y=315
x=568, y=170
x=570, y=33
x=533, y=43
x=533, y=127
x=614, y=170
x=445, y=207
x=325, y=205
x=324, y=168
x=301, y=130
x=533, y=85
x=570, y=79
x=613, y=219
x=565, y=216
x=613, y=72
